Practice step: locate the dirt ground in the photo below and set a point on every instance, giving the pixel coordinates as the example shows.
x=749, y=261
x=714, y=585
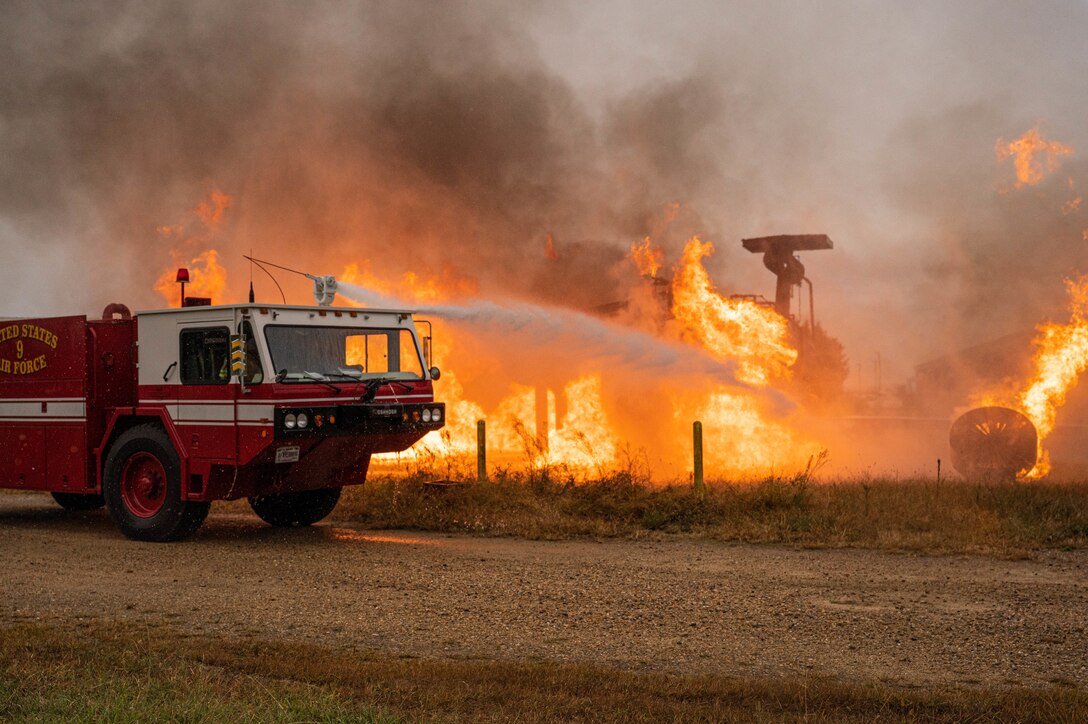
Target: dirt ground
x=680, y=606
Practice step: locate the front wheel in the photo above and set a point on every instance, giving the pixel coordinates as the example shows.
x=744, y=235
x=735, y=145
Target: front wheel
x=142, y=487
x=294, y=510
x=78, y=502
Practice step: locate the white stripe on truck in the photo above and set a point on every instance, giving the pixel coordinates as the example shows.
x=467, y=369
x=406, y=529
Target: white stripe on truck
x=55, y=408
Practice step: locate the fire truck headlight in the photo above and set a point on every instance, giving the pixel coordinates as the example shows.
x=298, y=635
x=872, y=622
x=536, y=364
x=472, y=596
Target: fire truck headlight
x=303, y=421
x=426, y=416
x=289, y=421
x=436, y=414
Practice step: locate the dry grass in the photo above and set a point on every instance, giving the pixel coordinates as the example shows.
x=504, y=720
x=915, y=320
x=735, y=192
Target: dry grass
x=1007, y=518
x=96, y=672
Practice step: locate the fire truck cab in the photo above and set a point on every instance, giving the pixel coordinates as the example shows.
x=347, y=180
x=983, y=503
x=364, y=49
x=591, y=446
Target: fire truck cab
x=158, y=414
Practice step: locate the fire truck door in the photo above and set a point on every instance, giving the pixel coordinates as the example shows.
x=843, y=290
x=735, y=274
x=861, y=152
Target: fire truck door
x=206, y=398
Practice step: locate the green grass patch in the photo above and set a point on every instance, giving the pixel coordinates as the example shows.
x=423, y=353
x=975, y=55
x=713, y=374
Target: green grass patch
x=111, y=672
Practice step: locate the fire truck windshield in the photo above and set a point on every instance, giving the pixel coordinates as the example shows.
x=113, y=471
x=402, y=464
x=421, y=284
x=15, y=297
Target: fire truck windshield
x=304, y=353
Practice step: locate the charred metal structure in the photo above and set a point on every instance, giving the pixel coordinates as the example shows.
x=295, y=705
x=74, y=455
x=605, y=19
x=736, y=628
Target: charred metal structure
x=778, y=256
x=993, y=442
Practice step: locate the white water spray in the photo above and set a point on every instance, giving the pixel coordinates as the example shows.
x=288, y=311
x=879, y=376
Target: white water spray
x=569, y=335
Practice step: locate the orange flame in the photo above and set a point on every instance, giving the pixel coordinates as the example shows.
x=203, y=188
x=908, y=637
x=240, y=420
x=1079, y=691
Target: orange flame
x=207, y=277
x=210, y=211
x=742, y=438
x=1061, y=357
x=412, y=286
x=361, y=275
x=647, y=258
x=583, y=436
x=741, y=330
x=1029, y=152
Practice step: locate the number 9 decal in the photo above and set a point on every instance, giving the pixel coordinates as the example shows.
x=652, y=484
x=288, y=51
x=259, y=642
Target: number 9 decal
x=19, y=349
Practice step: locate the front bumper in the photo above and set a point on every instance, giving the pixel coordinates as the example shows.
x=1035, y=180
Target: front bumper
x=363, y=418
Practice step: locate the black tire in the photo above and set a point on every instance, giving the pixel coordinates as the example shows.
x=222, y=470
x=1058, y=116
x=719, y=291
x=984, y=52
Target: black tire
x=173, y=518
x=295, y=510
x=78, y=502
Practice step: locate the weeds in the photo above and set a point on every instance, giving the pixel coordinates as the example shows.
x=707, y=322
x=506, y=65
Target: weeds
x=65, y=671
x=550, y=502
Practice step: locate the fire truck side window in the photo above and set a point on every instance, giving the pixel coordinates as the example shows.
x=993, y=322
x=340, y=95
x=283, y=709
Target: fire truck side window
x=205, y=356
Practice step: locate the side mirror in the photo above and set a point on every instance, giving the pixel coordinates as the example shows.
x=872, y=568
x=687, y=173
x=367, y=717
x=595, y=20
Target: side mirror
x=435, y=373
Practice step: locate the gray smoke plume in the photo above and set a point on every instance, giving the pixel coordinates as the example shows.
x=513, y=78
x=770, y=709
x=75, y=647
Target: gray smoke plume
x=451, y=140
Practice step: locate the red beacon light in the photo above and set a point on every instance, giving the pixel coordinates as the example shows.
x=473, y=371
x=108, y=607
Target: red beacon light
x=182, y=278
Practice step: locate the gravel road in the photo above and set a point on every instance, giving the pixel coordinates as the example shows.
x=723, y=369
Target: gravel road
x=680, y=606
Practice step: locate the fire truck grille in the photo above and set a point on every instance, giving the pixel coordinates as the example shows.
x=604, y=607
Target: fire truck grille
x=360, y=418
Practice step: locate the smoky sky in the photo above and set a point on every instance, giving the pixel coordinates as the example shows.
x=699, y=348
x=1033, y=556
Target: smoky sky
x=450, y=139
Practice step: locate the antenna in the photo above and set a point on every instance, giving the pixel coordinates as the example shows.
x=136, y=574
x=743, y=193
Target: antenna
x=324, y=286
x=251, y=297
x=261, y=267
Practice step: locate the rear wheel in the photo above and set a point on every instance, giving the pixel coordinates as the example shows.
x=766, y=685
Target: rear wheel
x=294, y=510
x=142, y=488
x=77, y=502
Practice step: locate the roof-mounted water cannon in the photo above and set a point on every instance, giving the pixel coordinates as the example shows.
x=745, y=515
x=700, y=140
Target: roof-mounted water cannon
x=324, y=289
x=778, y=257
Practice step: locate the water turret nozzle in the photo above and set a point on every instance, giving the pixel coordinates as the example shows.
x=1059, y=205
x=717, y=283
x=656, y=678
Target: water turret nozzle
x=324, y=289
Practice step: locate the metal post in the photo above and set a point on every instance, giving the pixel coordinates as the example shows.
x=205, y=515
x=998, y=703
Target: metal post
x=697, y=443
x=481, y=451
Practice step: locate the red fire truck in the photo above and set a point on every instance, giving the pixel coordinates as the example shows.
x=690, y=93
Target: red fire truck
x=158, y=414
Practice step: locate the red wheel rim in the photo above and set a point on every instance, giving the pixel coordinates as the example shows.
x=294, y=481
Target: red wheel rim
x=143, y=485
